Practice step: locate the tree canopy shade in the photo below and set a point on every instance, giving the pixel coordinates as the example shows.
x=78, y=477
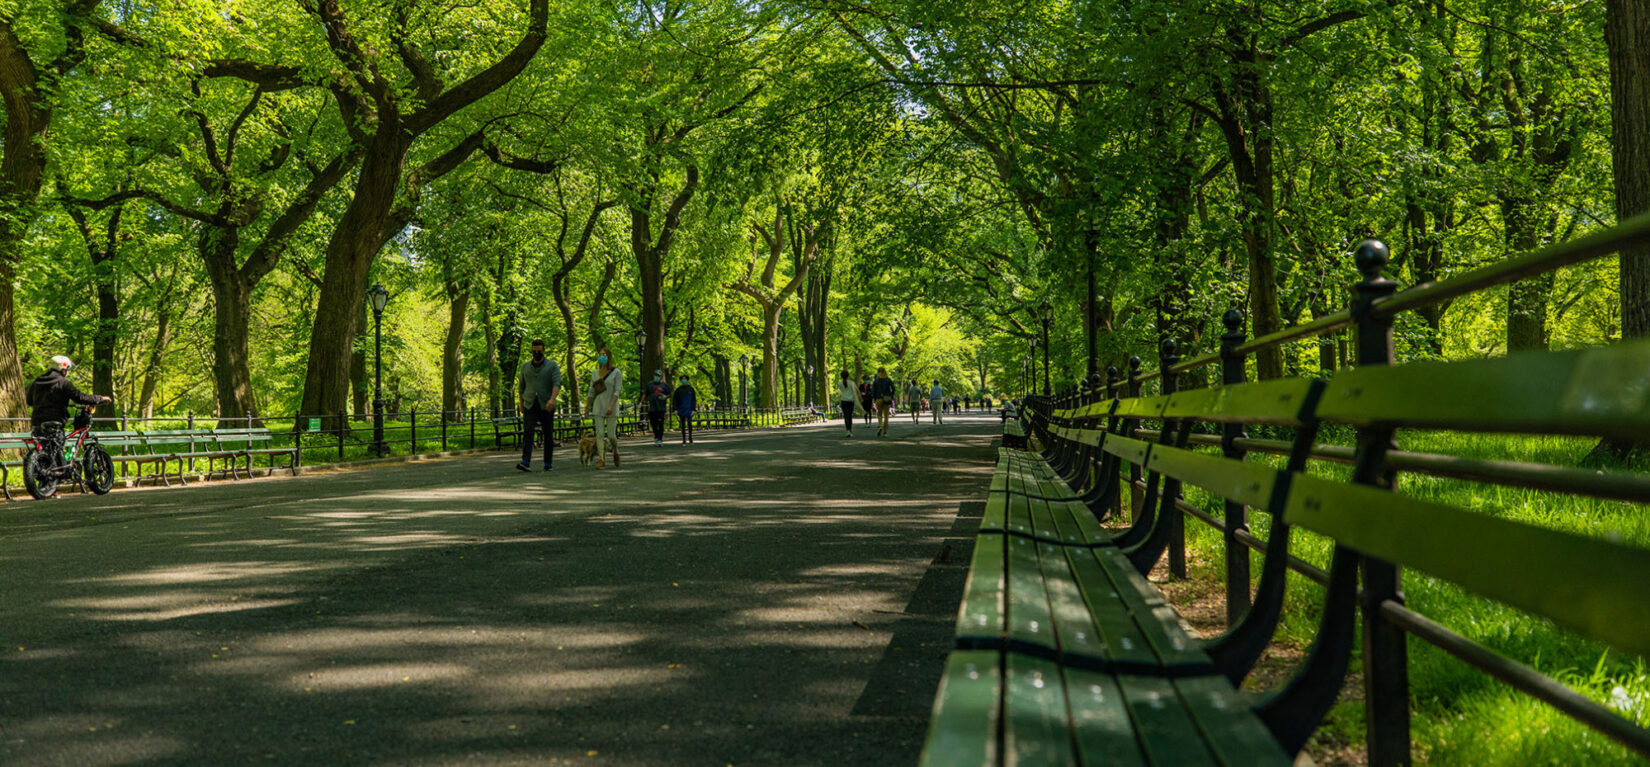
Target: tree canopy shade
x=196, y=195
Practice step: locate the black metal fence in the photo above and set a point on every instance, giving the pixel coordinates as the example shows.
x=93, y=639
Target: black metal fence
x=1369, y=318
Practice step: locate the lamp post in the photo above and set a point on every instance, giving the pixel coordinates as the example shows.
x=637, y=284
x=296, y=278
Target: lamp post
x=744, y=362
x=1047, y=390
x=1025, y=361
x=379, y=297
x=641, y=355
x=810, y=386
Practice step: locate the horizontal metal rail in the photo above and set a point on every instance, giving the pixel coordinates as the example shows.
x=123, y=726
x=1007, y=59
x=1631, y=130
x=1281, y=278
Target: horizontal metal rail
x=1527, y=680
x=1611, y=486
x=1633, y=231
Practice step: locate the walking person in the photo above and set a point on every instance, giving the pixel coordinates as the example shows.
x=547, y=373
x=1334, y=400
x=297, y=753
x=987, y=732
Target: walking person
x=685, y=400
x=937, y=396
x=603, y=406
x=538, y=386
x=656, y=397
x=866, y=401
x=913, y=399
x=847, y=395
x=883, y=392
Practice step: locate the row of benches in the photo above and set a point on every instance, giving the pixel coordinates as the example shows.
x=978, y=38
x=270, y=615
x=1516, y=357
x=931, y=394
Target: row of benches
x=226, y=452
x=1066, y=654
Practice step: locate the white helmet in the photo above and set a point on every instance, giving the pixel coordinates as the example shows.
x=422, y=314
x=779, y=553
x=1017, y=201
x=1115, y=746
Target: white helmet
x=63, y=363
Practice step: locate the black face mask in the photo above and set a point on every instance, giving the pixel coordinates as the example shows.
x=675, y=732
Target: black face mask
x=538, y=355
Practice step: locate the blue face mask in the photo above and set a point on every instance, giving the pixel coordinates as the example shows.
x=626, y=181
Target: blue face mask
x=684, y=382
x=602, y=360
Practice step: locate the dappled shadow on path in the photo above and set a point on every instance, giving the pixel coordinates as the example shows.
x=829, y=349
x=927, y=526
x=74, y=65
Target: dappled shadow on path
x=786, y=611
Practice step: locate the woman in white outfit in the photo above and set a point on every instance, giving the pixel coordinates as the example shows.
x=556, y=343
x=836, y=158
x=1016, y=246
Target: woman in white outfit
x=603, y=406
x=847, y=395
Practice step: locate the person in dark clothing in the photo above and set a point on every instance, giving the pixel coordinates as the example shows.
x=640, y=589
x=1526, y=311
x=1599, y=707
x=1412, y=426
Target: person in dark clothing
x=49, y=397
x=656, y=393
x=538, y=385
x=865, y=401
x=884, y=390
x=684, y=401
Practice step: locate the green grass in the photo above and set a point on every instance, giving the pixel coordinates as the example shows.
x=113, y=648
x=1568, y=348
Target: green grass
x=1460, y=715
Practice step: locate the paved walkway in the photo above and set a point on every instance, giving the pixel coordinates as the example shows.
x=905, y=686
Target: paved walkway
x=767, y=597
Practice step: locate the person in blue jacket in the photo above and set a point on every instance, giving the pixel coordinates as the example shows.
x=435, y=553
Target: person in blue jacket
x=685, y=400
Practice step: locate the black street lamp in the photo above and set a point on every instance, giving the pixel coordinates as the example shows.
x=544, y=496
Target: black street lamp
x=379, y=297
x=810, y=386
x=641, y=355
x=1025, y=362
x=744, y=363
x=1047, y=390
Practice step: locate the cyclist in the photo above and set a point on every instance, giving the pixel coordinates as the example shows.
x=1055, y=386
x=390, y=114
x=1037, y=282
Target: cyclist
x=50, y=396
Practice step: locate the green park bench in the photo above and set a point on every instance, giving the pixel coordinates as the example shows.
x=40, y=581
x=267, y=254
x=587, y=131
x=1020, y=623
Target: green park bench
x=1066, y=653
x=1014, y=434
x=247, y=444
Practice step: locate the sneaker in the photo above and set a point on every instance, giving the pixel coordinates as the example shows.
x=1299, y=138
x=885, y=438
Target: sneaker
x=548, y=467
x=658, y=443
x=524, y=467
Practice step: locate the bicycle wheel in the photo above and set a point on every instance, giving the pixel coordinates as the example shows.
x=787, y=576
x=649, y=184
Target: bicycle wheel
x=98, y=470
x=39, y=476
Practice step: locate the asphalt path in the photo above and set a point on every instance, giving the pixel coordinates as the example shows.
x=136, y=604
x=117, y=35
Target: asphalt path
x=773, y=597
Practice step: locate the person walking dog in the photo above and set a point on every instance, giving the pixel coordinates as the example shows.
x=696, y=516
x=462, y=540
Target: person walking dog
x=603, y=406
x=538, y=386
x=847, y=395
x=686, y=400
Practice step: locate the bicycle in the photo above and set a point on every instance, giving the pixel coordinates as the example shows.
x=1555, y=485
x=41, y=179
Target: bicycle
x=81, y=460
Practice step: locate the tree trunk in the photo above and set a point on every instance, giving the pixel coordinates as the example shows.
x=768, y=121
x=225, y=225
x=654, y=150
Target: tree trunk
x=1526, y=299
x=105, y=337
x=452, y=358
x=231, y=305
x=359, y=384
x=769, y=388
x=22, y=168
x=489, y=332
x=157, y=355
x=361, y=231
x=1627, y=32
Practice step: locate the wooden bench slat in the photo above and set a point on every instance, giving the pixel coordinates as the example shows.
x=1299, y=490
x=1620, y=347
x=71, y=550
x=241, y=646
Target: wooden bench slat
x=969, y=703
x=1030, y=620
x=1159, y=623
x=1270, y=402
x=1592, y=586
x=981, y=616
x=996, y=512
x=1141, y=407
x=1019, y=515
x=1599, y=392
x=1036, y=731
x=1235, y=736
x=1073, y=622
x=1247, y=483
x=1088, y=528
x=1165, y=728
x=1119, y=633
x=1127, y=448
x=1100, y=721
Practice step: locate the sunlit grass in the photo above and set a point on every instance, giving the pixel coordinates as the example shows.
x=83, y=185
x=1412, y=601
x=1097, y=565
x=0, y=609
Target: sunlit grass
x=1460, y=715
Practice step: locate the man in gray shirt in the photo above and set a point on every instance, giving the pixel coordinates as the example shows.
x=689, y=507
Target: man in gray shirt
x=538, y=385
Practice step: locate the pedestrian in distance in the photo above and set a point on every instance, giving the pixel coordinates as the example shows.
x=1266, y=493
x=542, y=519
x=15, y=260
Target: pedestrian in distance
x=936, y=396
x=883, y=392
x=866, y=401
x=656, y=398
x=538, y=386
x=603, y=406
x=684, y=401
x=913, y=399
x=847, y=395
